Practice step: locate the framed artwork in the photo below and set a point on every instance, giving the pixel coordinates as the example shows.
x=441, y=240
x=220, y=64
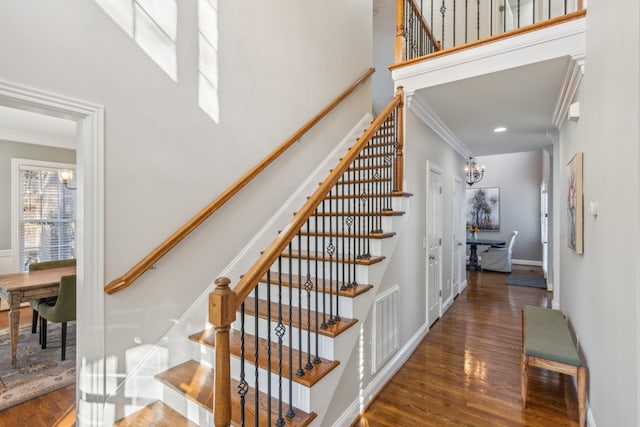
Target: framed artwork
x=483, y=208
x=575, y=203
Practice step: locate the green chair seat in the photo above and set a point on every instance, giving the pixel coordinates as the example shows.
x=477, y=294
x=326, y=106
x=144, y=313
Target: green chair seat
x=46, y=265
x=63, y=311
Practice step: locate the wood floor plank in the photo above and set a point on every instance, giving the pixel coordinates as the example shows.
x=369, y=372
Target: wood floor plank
x=467, y=369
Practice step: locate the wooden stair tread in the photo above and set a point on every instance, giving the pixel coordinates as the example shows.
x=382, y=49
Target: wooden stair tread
x=369, y=196
x=310, y=377
x=333, y=330
x=195, y=381
x=381, y=213
x=155, y=414
x=372, y=259
x=323, y=284
x=383, y=235
x=362, y=181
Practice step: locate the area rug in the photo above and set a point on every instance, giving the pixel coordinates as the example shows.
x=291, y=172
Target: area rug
x=533, y=282
x=38, y=371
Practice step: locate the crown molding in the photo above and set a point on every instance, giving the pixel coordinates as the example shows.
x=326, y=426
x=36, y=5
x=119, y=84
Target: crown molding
x=431, y=119
x=570, y=85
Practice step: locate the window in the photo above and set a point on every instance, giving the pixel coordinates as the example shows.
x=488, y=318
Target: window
x=44, y=213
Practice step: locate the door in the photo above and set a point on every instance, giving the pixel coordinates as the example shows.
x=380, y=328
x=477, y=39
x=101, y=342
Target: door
x=434, y=242
x=457, y=263
x=544, y=227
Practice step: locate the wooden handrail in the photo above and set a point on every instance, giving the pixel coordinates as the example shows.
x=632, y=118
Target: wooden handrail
x=154, y=256
x=268, y=257
x=533, y=27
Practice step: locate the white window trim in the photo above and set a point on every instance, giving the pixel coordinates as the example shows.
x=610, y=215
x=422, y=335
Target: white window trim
x=16, y=165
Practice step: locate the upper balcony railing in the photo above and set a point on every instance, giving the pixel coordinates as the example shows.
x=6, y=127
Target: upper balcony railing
x=465, y=22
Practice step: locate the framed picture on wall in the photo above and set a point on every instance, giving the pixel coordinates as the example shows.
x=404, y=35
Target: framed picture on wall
x=483, y=208
x=575, y=203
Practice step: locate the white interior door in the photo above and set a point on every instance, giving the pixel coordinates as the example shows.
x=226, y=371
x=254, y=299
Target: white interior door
x=434, y=243
x=457, y=264
x=544, y=227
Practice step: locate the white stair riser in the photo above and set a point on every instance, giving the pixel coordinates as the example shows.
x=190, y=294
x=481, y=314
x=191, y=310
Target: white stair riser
x=300, y=393
x=325, y=344
x=384, y=222
x=327, y=271
x=345, y=304
x=346, y=245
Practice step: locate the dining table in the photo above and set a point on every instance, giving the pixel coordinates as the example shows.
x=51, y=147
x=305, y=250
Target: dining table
x=18, y=288
x=473, y=248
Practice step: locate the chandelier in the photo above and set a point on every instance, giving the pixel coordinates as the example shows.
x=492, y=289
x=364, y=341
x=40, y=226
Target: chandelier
x=473, y=172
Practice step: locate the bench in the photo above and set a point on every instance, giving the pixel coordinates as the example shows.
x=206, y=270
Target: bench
x=547, y=343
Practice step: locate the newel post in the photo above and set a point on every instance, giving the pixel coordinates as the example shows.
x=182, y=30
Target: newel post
x=400, y=156
x=399, y=41
x=222, y=312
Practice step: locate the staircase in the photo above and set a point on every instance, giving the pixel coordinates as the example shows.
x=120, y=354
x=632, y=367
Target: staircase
x=292, y=334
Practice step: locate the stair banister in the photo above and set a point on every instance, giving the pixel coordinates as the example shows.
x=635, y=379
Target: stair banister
x=401, y=30
x=264, y=262
x=155, y=255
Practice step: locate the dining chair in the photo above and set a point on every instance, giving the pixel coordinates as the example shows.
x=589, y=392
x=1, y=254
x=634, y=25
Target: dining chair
x=46, y=265
x=499, y=259
x=63, y=311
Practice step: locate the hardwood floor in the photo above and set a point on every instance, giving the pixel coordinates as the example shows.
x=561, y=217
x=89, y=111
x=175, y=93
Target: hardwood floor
x=54, y=409
x=467, y=369
x=465, y=372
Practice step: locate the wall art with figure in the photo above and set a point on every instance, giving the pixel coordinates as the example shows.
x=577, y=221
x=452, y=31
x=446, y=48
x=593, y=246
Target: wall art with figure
x=574, y=203
x=483, y=208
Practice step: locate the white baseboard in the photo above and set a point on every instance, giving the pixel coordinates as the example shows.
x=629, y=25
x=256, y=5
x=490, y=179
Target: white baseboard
x=381, y=379
x=526, y=262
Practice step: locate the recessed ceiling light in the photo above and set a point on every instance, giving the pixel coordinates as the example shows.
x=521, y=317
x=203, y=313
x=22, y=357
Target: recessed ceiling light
x=500, y=129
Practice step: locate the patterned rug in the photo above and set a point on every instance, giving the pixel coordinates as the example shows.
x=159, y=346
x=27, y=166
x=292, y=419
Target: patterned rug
x=38, y=371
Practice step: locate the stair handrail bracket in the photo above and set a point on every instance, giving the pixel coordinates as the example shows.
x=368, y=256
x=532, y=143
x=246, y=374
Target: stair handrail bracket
x=382, y=141
x=167, y=245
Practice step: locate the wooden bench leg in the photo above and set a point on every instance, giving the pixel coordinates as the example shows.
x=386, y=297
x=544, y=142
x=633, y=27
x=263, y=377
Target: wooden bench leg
x=582, y=395
x=524, y=360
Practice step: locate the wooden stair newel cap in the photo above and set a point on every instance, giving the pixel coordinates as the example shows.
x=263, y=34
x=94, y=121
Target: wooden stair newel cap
x=222, y=304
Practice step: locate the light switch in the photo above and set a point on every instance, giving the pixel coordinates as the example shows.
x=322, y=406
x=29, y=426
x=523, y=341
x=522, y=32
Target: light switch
x=593, y=209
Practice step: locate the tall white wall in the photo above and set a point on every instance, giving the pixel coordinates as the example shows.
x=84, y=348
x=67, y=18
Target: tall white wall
x=279, y=63
x=384, y=24
x=519, y=177
x=599, y=289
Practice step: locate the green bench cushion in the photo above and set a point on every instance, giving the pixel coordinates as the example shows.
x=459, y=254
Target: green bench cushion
x=547, y=336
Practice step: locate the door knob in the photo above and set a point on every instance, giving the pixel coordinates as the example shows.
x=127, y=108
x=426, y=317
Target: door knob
x=431, y=257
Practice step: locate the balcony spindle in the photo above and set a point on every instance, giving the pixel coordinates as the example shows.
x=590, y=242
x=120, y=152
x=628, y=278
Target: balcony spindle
x=280, y=331
x=300, y=371
x=243, y=387
x=315, y=332
x=290, y=412
x=324, y=270
x=269, y=394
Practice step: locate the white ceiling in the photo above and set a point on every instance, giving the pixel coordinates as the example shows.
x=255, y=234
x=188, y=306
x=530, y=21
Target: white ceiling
x=33, y=128
x=522, y=99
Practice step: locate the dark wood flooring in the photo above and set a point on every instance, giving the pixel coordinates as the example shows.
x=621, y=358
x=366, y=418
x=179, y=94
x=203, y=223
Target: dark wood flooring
x=466, y=372
x=53, y=409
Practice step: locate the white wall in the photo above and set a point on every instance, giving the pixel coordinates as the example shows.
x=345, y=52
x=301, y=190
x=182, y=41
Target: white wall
x=279, y=63
x=519, y=177
x=384, y=24
x=599, y=290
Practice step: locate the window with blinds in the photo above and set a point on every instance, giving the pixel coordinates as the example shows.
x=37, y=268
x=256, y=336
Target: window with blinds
x=46, y=216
